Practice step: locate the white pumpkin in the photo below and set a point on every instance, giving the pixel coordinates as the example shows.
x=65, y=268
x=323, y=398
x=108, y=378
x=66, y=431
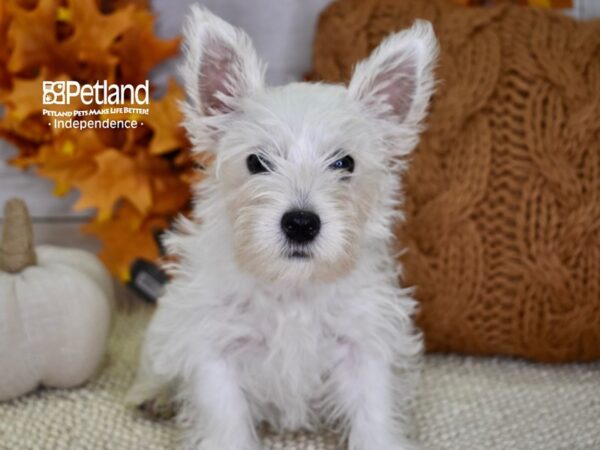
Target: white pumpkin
x=55, y=310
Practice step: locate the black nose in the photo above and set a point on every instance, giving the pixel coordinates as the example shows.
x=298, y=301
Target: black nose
x=300, y=227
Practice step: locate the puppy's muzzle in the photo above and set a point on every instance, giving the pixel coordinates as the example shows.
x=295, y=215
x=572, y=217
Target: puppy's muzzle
x=300, y=227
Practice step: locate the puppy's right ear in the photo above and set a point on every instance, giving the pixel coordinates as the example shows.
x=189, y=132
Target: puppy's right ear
x=396, y=81
x=221, y=66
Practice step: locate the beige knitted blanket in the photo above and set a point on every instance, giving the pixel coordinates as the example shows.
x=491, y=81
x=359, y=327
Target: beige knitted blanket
x=465, y=404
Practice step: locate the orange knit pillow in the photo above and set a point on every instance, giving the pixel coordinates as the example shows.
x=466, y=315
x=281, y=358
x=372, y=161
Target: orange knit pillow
x=503, y=193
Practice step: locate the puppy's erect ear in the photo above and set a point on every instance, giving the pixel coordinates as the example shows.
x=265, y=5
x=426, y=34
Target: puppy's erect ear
x=221, y=65
x=396, y=81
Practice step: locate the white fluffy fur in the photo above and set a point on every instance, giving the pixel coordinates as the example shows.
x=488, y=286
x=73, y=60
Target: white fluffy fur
x=246, y=334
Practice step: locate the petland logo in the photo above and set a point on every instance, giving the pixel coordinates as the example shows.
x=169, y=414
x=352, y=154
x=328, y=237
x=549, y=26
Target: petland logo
x=100, y=93
x=99, y=105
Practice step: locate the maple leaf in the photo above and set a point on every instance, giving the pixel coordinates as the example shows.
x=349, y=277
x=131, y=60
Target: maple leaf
x=139, y=50
x=170, y=193
x=32, y=34
x=128, y=140
x=126, y=236
x=23, y=122
x=165, y=120
x=69, y=159
x=25, y=98
x=117, y=177
x=94, y=33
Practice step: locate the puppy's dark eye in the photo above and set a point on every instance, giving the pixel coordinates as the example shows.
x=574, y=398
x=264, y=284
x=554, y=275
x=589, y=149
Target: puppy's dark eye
x=256, y=164
x=345, y=163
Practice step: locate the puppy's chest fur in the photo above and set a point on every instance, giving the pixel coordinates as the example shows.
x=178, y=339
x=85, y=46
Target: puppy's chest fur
x=284, y=358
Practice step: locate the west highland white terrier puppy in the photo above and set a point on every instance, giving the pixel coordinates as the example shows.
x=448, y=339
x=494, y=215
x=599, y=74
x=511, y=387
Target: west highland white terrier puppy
x=285, y=305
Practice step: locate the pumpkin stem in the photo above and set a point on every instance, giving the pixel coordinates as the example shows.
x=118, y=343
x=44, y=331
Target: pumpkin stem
x=16, y=247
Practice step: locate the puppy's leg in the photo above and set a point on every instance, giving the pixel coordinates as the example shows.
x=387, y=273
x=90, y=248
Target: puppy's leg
x=217, y=413
x=364, y=392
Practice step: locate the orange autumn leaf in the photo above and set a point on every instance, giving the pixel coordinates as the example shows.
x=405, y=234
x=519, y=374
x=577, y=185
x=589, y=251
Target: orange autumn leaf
x=165, y=120
x=139, y=49
x=94, y=34
x=170, y=192
x=117, y=177
x=127, y=140
x=33, y=36
x=126, y=236
x=70, y=159
x=171, y=195
x=95, y=31
x=25, y=97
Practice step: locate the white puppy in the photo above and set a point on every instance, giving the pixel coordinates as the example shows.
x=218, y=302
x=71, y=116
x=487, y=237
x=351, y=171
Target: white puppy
x=285, y=305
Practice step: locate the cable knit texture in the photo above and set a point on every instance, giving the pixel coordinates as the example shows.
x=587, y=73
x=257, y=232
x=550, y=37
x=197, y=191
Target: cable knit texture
x=502, y=235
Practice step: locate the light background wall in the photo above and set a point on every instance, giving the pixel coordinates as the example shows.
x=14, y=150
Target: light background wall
x=282, y=31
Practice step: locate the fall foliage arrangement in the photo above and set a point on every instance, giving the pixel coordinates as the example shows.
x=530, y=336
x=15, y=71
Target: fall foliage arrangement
x=136, y=180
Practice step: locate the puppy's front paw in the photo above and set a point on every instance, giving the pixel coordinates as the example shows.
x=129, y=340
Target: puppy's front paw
x=158, y=406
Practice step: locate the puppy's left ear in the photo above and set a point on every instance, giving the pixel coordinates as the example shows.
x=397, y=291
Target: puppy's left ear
x=221, y=65
x=396, y=81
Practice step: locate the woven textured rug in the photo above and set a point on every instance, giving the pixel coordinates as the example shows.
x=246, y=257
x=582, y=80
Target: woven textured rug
x=465, y=403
